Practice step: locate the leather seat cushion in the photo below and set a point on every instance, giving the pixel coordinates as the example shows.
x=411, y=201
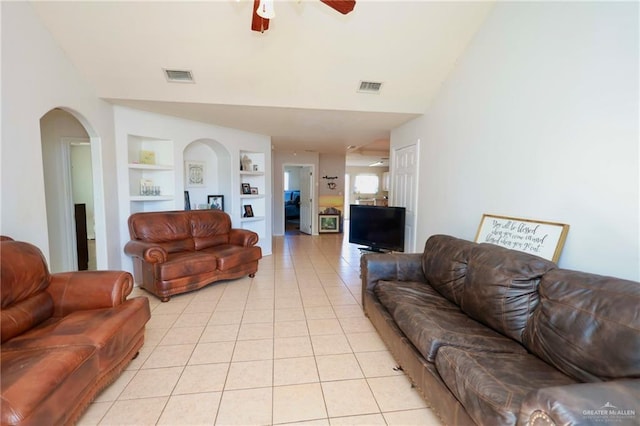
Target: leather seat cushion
x=37, y=383
x=585, y=315
x=492, y=386
x=430, y=321
x=184, y=264
x=444, y=262
x=108, y=330
x=230, y=256
x=501, y=287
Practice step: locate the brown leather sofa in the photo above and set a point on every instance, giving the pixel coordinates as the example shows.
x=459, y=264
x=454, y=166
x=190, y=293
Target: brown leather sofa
x=493, y=336
x=178, y=251
x=65, y=336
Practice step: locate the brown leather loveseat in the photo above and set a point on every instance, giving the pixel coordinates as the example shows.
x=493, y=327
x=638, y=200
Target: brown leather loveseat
x=493, y=336
x=65, y=336
x=178, y=251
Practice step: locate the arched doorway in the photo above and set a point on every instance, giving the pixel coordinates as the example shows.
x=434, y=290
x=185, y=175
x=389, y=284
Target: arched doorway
x=74, y=206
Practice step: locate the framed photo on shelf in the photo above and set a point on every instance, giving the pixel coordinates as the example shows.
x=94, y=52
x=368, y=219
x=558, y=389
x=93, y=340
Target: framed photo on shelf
x=248, y=210
x=329, y=223
x=187, y=201
x=216, y=202
x=246, y=188
x=194, y=174
x=254, y=190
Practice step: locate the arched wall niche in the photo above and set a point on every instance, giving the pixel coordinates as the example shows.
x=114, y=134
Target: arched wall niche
x=217, y=172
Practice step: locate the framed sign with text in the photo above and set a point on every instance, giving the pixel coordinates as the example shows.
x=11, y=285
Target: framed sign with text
x=544, y=239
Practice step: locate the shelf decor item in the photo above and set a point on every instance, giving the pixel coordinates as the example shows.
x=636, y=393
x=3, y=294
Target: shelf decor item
x=248, y=210
x=253, y=190
x=329, y=223
x=187, y=201
x=246, y=189
x=246, y=163
x=216, y=202
x=194, y=173
x=147, y=157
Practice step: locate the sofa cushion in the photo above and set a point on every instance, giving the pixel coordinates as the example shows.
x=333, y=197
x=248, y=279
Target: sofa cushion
x=109, y=330
x=583, y=316
x=501, y=287
x=171, y=230
x=209, y=228
x=25, y=276
x=444, y=263
x=230, y=256
x=38, y=384
x=184, y=264
x=492, y=386
x=430, y=321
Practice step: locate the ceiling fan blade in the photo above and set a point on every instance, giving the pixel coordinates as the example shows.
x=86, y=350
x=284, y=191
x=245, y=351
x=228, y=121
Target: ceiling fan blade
x=342, y=6
x=258, y=23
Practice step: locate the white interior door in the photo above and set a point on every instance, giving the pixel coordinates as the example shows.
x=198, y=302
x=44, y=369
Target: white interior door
x=404, y=190
x=306, y=199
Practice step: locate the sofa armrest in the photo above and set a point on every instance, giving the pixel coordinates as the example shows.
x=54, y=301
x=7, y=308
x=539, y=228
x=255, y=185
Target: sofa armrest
x=149, y=252
x=390, y=266
x=613, y=402
x=243, y=237
x=82, y=290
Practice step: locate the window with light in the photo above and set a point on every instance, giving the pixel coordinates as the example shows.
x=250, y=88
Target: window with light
x=366, y=183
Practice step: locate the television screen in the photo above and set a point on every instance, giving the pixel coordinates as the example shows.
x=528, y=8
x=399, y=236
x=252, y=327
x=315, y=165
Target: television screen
x=377, y=227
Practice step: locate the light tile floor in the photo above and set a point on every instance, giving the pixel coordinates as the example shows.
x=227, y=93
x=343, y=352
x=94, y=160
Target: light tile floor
x=290, y=346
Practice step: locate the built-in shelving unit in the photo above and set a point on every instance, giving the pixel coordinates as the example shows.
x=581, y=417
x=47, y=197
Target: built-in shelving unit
x=252, y=167
x=151, y=173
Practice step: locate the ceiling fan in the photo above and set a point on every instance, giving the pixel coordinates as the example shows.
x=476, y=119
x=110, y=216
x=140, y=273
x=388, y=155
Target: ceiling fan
x=263, y=11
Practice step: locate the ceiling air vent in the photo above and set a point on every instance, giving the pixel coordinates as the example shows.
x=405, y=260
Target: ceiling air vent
x=369, y=87
x=178, y=76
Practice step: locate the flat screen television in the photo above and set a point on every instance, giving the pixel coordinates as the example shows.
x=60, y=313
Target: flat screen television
x=376, y=227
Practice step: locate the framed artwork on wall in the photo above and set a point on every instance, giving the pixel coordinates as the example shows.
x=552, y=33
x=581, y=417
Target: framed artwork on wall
x=541, y=238
x=194, y=174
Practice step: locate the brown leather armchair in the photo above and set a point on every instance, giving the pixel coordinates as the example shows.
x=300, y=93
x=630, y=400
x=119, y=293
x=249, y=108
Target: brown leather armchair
x=179, y=251
x=64, y=336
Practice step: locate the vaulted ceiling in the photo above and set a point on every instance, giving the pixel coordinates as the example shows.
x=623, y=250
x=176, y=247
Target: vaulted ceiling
x=297, y=82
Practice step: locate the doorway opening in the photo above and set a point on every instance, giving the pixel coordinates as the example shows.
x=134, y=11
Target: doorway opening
x=298, y=199
x=74, y=207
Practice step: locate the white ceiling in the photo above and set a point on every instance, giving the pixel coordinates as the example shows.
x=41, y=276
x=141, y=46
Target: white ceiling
x=296, y=82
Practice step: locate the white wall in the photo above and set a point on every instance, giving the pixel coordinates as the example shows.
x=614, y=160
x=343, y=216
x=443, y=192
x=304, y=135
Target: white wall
x=294, y=177
x=540, y=120
x=182, y=133
x=37, y=77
